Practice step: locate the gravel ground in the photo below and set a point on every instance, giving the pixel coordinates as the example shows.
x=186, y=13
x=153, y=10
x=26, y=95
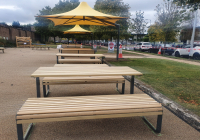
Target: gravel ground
x=16, y=85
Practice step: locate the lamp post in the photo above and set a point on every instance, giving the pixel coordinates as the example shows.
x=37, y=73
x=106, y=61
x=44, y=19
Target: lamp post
x=193, y=34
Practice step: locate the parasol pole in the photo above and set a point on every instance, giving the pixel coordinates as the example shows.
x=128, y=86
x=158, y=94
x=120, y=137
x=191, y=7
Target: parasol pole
x=118, y=26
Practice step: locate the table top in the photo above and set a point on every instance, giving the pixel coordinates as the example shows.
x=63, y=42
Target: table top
x=84, y=55
x=83, y=65
x=75, y=49
x=84, y=71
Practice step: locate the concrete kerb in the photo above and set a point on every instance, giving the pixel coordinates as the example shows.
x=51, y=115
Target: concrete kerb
x=181, y=112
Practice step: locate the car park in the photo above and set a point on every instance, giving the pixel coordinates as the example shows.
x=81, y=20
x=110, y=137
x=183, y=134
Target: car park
x=186, y=51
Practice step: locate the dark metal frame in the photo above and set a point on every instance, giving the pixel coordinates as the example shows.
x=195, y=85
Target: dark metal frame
x=159, y=124
x=20, y=131
x=123, y=88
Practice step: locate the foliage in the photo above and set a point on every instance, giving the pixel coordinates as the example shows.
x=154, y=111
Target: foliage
x=16, y=24
x=46, y=27
x=3, y=23
x=116, y=8
x=146, y=38
x=6, y=43
x=155, y=33
x=138, y=24
x=194, y=4
x=170, y=18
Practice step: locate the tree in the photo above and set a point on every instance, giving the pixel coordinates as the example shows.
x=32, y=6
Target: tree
x=16, y=24
x=3, y=23
x=170, y=18
x=155, y=33
x=138, y=24
x=46, y=27
x=194, y=4
x=116, y=8
x=146, y=38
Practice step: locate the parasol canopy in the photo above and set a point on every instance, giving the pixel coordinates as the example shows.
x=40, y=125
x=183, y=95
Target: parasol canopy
x=77, y=30
x=83, y=15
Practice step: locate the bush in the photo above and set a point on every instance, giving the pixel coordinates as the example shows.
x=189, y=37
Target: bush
x=7, y=43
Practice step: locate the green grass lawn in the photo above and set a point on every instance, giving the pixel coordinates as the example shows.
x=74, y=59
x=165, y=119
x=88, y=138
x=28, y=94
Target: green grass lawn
x=178, y=81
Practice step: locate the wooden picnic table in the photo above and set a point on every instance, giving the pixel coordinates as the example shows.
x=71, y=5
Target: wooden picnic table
x=74, y=49
x=78, y=55
x=84, y=71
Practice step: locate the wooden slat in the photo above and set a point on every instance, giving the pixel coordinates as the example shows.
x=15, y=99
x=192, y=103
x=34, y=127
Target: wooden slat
x=80, y=65
x=80, y=55
x=61, y=108
x=88, y=117
x=75, y=49
x=70, y=51
x=92, y=98
x=79, y=60
x=82, y=113
x=82, y=71
x=48, y=79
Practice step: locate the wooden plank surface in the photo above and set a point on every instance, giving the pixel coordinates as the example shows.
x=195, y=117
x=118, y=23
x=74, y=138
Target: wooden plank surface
x=75, y=49
x=84, y=71
x=87, y=107
x=80, y=55
x=86, y=103
x=78, y=60
x=80, y=65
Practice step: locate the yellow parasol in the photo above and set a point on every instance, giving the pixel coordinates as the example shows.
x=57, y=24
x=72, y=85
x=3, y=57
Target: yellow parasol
x=77, y=30
x=83, y=15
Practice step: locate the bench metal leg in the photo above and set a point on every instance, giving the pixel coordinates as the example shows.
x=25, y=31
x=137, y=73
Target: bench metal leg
x=20, y=132
x=123, y=88
x=102, y=59
x=159, y=124
x=132, y=85
x=38, y=86
x=44, y=90
x=46, y=93
x=57, y=59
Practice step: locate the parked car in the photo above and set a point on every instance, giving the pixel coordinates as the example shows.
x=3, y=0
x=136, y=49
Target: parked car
x=143, y=46
x=186, y=51
x=167, y=49
x=155, y=48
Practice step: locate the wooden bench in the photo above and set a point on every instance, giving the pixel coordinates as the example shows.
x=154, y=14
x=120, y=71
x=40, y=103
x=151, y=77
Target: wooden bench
x=74, y=49
x=53, y=109
x=2, y=48
x=81, y=80
x=39, y=46
x=79, y=61
x=79, y=57
x=89, y=51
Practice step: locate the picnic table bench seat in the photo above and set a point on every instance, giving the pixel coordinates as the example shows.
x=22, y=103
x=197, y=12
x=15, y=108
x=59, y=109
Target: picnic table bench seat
x=78, y=51
x=53, y=109
x=2, y=48
x=79, y=61
x=39, y=46
x=81, y=80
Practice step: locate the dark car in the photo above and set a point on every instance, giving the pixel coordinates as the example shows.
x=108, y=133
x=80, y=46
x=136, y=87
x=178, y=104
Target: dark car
x=155, y=48
x=167, y=49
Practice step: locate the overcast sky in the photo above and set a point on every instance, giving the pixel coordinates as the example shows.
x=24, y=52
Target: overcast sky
x=25, y=10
